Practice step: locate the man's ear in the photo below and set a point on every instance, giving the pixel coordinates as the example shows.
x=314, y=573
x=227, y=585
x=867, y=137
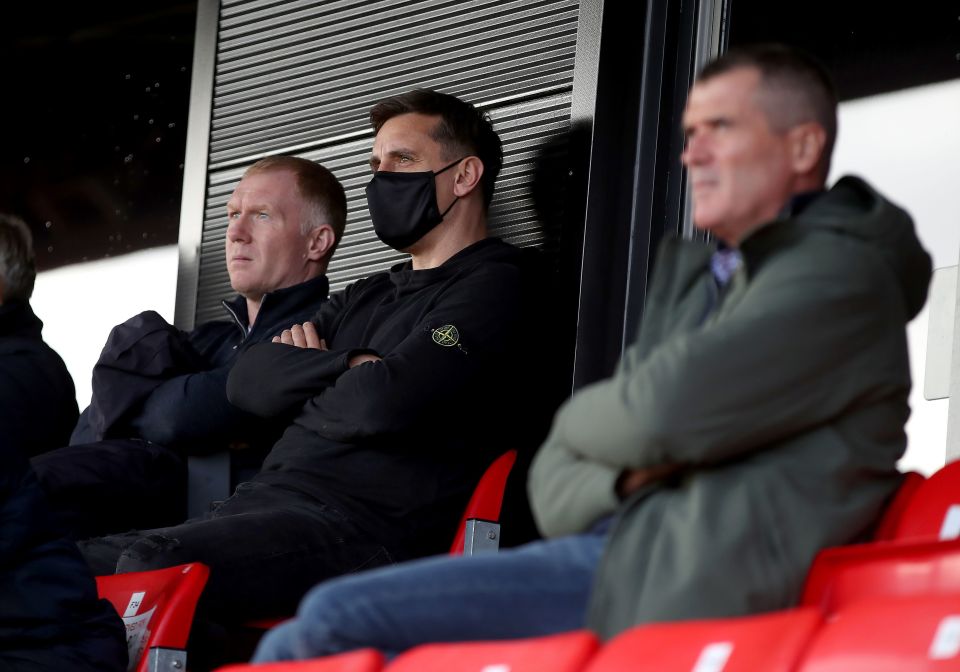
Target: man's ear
x=469, y=172
x=319, y=242
x=807, y=142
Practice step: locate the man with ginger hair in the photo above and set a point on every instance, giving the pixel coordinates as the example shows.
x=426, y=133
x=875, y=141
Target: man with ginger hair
x=159, y=394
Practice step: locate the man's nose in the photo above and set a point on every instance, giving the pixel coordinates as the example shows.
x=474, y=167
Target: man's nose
x=695, y=152
x=237, y=228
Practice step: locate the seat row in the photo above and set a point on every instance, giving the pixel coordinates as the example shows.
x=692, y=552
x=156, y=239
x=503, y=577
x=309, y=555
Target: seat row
x=891, y=604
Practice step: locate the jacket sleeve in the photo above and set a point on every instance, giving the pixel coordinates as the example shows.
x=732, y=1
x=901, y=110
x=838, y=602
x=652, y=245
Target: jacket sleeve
x=190, y=408
x=422, y=374
x=568, y=493
x=271, y=378
x=796, y=350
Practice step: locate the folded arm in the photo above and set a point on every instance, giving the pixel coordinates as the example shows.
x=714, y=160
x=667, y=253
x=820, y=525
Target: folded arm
x=793, y=353
x=465, y=333
x=274, y=378
x=190, y=409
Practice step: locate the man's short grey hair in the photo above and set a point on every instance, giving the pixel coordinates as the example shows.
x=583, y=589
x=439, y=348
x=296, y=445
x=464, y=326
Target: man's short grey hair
x=18, y=269
x=795, y=88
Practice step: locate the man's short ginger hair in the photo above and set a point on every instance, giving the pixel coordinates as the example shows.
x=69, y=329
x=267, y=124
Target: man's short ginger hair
x=322, y=193
x=795, y=88
x=463, y=130
x=18, y=270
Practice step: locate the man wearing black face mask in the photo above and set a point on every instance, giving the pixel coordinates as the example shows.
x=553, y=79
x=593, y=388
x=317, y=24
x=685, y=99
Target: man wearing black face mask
x=405, y=382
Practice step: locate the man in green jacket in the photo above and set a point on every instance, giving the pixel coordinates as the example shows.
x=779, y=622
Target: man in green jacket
x=757, y=418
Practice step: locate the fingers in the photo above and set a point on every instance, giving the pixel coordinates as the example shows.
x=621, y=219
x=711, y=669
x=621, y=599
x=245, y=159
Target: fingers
x=311, y=338
x=302, y=336
x=299, y=338
x=357, y=360
x=287, y=336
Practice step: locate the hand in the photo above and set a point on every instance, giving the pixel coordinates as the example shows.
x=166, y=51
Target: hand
x=631, y=480
x=357, y=360
x=302, y=336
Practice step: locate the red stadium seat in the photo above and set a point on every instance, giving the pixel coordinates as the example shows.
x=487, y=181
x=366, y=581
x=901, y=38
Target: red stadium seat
x=157, y=608
x=934, y=510
x=846, y=574
x=889, y=635
x=771, y=642
x=479, y=529
x=568, y=652
x=363, y=660
x=887, y=527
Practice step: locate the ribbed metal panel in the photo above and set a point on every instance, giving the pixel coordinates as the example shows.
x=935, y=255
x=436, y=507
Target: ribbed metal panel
x=524, y=129
x=299, y=77
x=297, y=74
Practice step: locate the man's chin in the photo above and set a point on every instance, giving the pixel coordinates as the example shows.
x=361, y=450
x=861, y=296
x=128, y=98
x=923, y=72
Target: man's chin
x=704, y=222
x=245, y=290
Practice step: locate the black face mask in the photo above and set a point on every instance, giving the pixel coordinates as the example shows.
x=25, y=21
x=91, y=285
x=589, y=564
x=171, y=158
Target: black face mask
x=404, y=207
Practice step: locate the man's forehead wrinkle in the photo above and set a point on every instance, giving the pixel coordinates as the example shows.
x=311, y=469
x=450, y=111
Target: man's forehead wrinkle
x=243, y=198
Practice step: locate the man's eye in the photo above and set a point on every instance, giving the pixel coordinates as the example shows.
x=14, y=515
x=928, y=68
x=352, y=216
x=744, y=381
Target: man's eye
x=403, y=158
x=233, y=215
x=262, y=215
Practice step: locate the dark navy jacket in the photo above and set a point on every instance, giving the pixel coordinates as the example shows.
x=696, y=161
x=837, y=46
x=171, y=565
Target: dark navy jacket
x=38, y=405
x=157, y=383
x=50, y=617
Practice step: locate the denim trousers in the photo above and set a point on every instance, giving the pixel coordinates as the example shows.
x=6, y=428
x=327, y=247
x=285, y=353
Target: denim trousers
x=538, y=589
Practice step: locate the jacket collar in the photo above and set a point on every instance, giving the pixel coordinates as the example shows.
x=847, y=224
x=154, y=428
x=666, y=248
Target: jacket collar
x=17, y=319
x=406, y=279
x=771, y=237
x=281, y=301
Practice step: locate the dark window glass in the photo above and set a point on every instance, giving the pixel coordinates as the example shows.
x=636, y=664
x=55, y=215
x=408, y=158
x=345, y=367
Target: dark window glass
x=94, y=124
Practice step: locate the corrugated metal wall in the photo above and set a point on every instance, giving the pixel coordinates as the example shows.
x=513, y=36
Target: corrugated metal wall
x=299, y=77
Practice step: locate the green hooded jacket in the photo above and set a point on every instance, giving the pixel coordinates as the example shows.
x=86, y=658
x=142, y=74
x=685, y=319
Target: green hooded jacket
x=783, y=411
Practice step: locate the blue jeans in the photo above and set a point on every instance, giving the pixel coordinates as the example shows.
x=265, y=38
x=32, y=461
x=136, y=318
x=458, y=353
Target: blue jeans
x=538, y=589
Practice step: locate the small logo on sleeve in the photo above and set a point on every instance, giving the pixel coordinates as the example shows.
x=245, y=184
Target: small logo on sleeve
x=447, y=336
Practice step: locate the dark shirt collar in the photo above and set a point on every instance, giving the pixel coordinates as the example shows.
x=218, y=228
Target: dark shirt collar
x=17, y=319
x=798, y=203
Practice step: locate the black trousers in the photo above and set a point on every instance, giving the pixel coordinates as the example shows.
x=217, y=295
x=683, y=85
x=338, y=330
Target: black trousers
x=113, y=485
x=265, y=546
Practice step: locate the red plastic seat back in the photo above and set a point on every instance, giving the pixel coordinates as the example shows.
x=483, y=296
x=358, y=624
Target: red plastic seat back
x=363, y=660
x=843, y=575
x=889, y=635
x=772, y=642
x=157, y=606
x=487, y=498
x=934, y=510
x=568, y=652
x=892, y=515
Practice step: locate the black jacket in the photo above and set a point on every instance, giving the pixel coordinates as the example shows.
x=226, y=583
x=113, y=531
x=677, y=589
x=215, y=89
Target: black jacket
x=169, y=387
x=399, y=444
x=38, y=405
x=50, y=617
